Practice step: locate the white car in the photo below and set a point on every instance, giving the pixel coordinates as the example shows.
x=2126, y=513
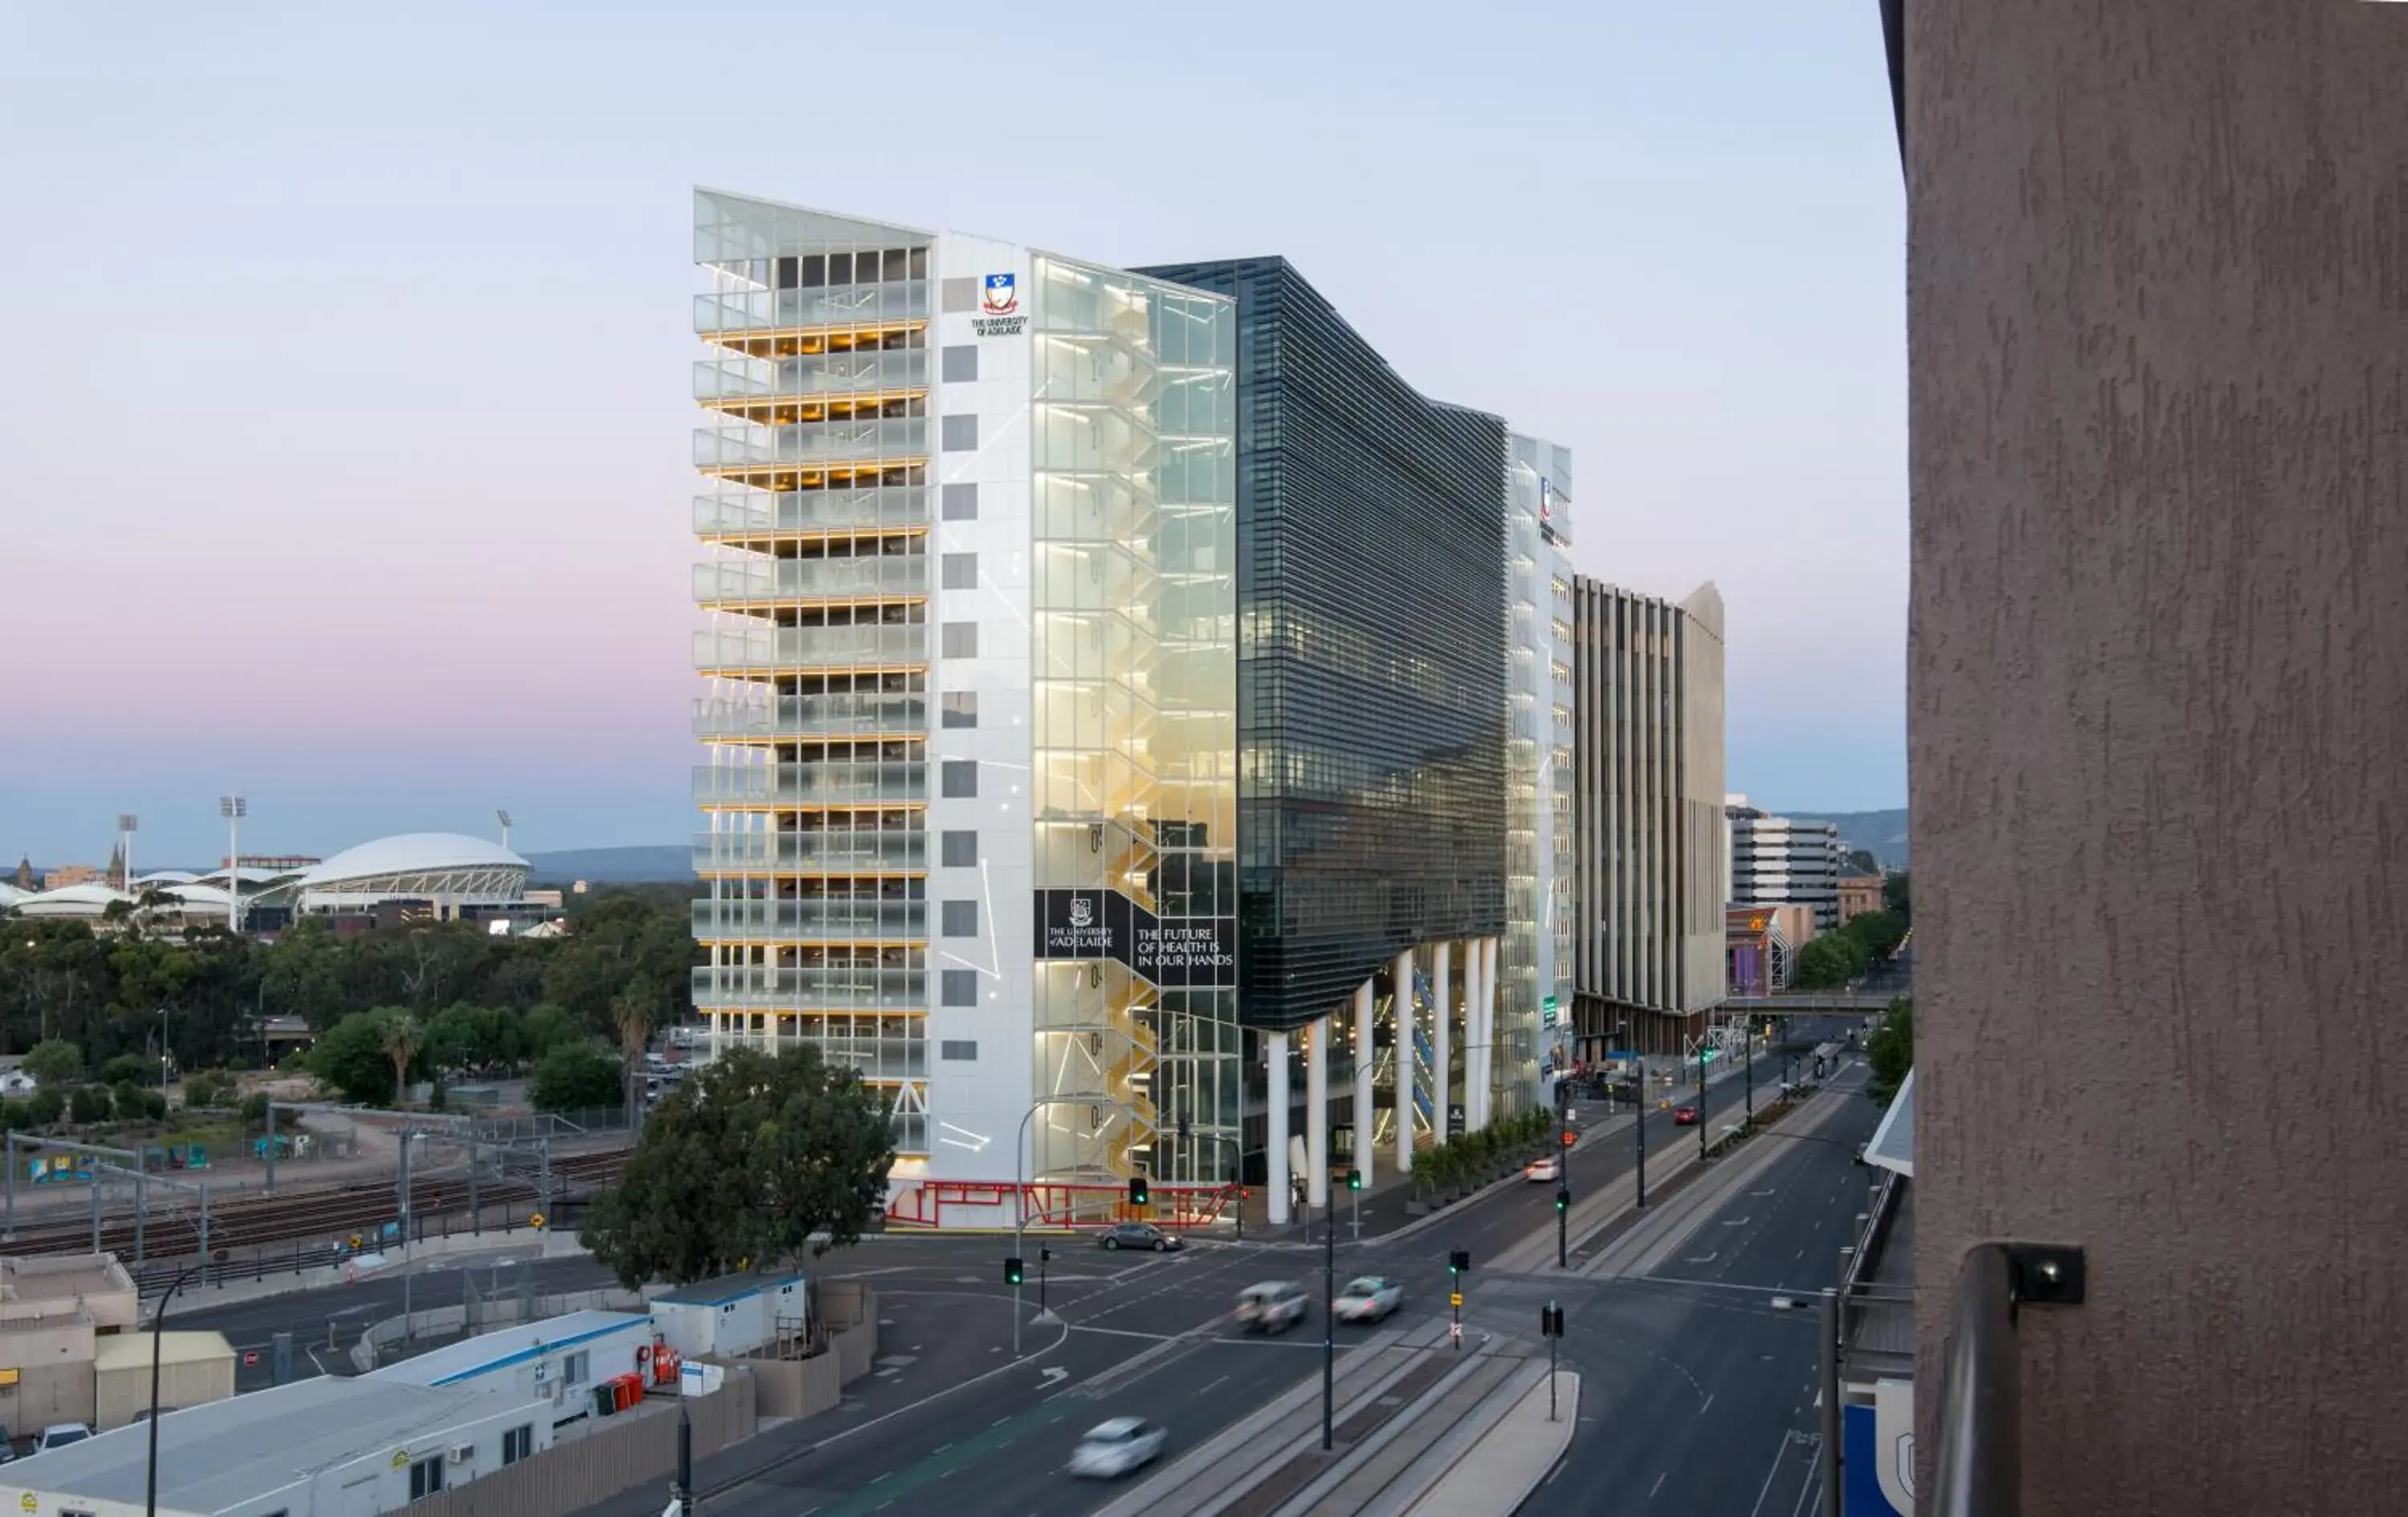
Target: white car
x=59, y=1435
x=1112, y=1448
x=1368, y=1299
x=1545, y=1169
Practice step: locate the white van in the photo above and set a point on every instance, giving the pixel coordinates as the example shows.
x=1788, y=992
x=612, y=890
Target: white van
x=1272, y=1307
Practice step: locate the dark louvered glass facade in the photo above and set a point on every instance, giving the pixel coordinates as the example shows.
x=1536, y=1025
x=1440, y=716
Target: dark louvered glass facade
x=1373, y=638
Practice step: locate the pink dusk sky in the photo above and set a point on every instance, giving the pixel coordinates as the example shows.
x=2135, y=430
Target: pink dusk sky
x=343, y=350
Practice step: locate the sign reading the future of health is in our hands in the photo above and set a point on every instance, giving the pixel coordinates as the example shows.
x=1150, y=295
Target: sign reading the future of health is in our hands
x=1106, y=925
x=998, y=310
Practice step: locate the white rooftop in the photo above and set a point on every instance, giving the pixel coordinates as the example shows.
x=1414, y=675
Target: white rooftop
x=226, y=1452
x=458, y=1363
x=415, y=853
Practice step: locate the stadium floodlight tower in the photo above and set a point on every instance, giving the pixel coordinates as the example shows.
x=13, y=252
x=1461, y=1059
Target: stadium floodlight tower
x=503, y=816
x=126, y=823
x=234, y=809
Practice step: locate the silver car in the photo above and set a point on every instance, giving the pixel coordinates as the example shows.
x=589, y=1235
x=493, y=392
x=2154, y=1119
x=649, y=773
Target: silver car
x=1368, y=1298
x=1112, y=1448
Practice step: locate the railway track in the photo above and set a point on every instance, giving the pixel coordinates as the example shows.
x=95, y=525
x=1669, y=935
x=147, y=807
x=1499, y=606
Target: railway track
x=253, y=1220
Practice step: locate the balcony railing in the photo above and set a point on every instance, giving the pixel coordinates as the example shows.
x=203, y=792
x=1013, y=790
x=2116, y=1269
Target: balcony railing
x=886, y=1062
x=828, y=305
x=742, y=445
x=811, y=579
x=810, y=921
x=810, y=784
x=735, y=377
x=1980, y=1467
x=816, y=852
x=803, y=647
x=831, y=990
x=810, y=510
x=811, y=716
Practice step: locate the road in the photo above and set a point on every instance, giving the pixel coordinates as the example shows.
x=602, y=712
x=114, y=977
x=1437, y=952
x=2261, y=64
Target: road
x=325, y=1323
x=1697, y=1394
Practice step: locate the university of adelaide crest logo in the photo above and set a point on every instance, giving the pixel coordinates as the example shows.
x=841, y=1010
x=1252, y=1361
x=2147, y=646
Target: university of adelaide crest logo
x=1083, y=911
x=998, y=313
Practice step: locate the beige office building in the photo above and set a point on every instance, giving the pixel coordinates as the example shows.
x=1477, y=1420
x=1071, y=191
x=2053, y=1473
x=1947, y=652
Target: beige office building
x=1650, y=874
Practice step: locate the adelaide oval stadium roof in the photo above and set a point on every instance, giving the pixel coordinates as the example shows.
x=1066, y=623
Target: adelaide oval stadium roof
x=446, y=864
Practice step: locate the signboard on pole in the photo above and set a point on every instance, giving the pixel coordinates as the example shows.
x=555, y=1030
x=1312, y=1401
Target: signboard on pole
x=1547, y=1010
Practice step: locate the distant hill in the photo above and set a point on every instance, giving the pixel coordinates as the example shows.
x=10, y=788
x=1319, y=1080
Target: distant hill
x=1882, y=834
x=613, y=866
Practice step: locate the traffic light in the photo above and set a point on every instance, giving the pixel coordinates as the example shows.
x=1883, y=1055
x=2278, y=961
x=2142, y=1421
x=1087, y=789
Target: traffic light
x=1563, y=1198
x=1550, y=1320
x=1458, y=1262
x=1011, y=1270
x=1138, y=1191
x=1045, y=1254
x=1354, y=1180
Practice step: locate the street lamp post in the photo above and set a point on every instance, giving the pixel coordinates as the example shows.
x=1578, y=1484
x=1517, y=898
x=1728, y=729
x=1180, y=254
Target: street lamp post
x=159, y=1336
x=234, y=809
x=1020, y=1190
x=1701, y=1103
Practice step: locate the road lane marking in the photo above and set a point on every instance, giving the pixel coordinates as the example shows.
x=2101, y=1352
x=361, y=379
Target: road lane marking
x=1779, y=1455
x=1658, y=1485
x=1702, y=1410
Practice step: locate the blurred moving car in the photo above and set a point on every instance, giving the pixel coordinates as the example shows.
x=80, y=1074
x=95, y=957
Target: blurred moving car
x=1140, y=1235
x=1112, y=1448
x=1685, y=1117
x=1546, y=1167
x=1368, y=1298
x=1272, y=1307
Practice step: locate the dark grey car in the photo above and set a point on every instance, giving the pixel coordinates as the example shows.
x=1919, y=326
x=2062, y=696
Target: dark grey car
x=1140, y=1235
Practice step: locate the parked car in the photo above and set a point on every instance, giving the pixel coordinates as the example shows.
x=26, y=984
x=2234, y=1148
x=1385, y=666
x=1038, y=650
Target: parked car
x=1368, y=1298
x=1112, y=1448
x=59, y=1435
x=1685, y=1117
x=1547, y=1166
x=1140, y=1235
x=1272, y=1307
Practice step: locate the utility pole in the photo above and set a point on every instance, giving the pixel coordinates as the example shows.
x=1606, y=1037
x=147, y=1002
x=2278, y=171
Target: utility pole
x=1701, y=1103
x=682, y=1496
x=1638, y=1131
x=1747, y=1047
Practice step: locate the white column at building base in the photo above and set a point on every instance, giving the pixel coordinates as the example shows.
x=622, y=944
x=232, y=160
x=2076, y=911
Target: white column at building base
x=1316, y=1113
x=1365, y=1124
x=1406, y=1026
x=1275, y=1107
x=1441, y=1039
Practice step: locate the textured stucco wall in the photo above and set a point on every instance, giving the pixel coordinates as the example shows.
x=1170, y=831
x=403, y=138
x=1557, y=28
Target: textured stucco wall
x=2158, y=308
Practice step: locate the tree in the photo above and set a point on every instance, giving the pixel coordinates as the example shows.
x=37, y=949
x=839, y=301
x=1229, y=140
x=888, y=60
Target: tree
x=87, y=1103
x=1878, y=932
x=465, y=1037
x=545, y=1028
x=128, y=1068
x=399, y=1033
x=351, y=1056
x=46, y=1105
x=1896, y=897
x=1890, y=1051
x=1862, y=860
x=55, y=1062
x=1828, y=961
x=755, y=1158
x=576, y=1077
x=632, y=1014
